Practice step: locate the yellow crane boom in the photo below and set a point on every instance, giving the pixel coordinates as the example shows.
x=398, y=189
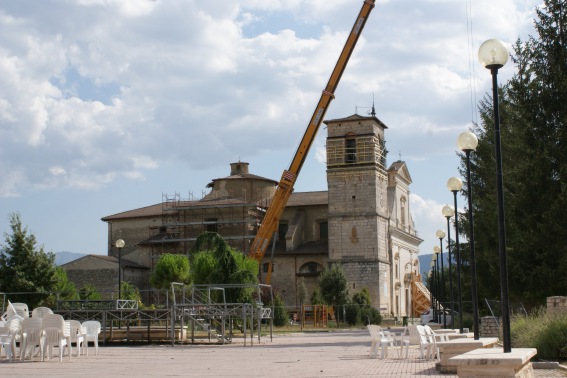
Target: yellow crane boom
x=271, y=220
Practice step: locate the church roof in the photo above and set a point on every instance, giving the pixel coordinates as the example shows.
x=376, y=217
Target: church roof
x=356, y=117
x=308, y=198
x=401, y=169
x=240, y=176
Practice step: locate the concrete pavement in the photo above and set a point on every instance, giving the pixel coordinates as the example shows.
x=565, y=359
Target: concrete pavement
x=321, y=354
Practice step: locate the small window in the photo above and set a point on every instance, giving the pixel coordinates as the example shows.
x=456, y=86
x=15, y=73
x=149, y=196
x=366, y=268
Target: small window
x=265, y=267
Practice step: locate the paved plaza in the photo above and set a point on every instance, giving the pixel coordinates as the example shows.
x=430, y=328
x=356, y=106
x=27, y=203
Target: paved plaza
x=320, y=354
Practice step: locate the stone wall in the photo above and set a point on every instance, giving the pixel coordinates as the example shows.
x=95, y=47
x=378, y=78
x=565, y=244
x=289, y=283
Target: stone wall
x=557, y=305
x=489, y=327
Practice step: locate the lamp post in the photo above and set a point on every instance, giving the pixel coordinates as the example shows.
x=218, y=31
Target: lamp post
x=467, y=143
x=448, y=212
x=436, y=251
x=439, y=283
x=454, y=184
x=440, y=235
x=433, y=290
x=119, y=244
x=493, y=55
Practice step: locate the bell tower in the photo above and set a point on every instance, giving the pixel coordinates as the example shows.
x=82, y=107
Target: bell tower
x=358, y=207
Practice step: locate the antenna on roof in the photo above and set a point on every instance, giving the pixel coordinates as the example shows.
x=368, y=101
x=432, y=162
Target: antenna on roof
x=373, y=111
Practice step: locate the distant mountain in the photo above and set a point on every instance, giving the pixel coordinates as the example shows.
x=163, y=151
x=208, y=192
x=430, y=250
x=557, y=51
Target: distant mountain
x=65, y=257
x=425, y=261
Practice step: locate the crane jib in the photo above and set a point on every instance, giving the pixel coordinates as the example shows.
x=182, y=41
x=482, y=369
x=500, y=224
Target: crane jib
x=358, y=25
x=269, y=224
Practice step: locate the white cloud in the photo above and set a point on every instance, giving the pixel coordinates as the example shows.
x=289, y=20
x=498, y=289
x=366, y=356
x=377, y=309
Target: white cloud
x=96, y=90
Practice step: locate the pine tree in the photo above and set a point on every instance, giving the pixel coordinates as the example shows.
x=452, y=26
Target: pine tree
x=534, y=135
x=27, y=273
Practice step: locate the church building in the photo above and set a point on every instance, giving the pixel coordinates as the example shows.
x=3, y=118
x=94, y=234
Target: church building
x=363, y=222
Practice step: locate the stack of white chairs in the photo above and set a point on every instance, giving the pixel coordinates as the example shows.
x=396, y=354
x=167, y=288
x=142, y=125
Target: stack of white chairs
x=38, y=312
x=32, y=337
x=10, y=335
x=56, y=333
x=77, y=334
x=91, y=328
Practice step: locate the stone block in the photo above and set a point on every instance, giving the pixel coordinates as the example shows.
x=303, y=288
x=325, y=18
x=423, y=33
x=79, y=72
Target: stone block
x=495, y=363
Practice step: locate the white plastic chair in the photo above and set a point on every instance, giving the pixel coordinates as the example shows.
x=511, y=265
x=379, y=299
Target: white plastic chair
x=77, y=333
x=374, y=331
x=434, y=338
x=10, y=312
x=426, y=344
x=22, y=309
x=32, y=334
x=9, y=335
x=386, y=340
x=55, y=334
x=92, y=330
x=38, y=312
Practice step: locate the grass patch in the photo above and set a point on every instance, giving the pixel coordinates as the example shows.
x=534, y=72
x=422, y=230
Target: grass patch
x=547, y=332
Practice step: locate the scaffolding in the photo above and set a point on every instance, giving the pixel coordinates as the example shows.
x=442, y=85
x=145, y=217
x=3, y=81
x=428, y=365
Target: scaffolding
x=183, y=220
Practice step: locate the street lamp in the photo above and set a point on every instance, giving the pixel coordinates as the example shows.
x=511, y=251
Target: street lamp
x=435, y=259
x=433, y=290
x=448, y=212
x=440, y=235
x=467, y=143
x=493, y=55
x=454, y=184
x=119, y=244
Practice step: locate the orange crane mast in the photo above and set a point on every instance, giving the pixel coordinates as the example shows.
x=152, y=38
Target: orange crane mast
x=271, y=220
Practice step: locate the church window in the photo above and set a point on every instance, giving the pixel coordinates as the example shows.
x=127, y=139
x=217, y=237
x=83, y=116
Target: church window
x=310, y=269
x=350, y=150
x=323, y=230
x=282, y=231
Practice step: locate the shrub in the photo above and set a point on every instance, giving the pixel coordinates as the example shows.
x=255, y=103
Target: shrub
x=371, y=315
x=281, y=317
x=352, y=314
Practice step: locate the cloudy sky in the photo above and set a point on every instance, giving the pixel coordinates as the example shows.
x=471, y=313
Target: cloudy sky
x=106, y=105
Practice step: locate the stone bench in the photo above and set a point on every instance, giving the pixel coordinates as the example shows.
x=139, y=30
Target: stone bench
x=455, y=347
x=495, y=363
x=468, y=335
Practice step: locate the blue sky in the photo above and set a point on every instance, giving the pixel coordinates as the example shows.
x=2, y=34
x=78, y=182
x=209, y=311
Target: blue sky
x=105, y=105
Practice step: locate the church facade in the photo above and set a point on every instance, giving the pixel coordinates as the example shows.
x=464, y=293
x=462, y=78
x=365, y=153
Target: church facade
x=363, y=222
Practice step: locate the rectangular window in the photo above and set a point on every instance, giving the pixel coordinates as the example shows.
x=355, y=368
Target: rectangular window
x=350, y=151
x=323, y=230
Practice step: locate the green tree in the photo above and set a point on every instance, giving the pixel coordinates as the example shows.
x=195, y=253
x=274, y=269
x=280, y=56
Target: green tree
x=316, y=297
x=64, y=289
x=131, y=293
x=362, y=298
x=170, y=268
x=281, y=317
x=334, y=287
x=534, y=134
x=25, y=267
x=215, y=262
x=301, y=291
x=89, y=293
